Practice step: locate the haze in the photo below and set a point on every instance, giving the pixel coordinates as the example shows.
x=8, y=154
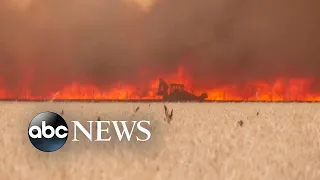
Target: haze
x=47, y=44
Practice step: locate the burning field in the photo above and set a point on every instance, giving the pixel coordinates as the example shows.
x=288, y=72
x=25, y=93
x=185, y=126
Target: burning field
x=159, y=50
x=241, y=141
x=118, y=49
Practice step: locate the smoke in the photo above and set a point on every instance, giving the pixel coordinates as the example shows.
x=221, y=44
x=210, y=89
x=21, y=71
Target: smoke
x=51, y=43
x=239, y=40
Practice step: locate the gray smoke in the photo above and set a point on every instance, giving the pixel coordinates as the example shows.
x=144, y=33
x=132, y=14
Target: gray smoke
x=55, y=42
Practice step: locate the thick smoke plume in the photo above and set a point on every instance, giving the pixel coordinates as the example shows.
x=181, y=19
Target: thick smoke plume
x=102, y=42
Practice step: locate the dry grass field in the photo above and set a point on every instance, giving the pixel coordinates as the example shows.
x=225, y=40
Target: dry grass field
x=203, y=142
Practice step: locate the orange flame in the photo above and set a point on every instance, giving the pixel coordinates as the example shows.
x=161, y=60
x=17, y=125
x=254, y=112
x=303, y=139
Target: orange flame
x=295, y=89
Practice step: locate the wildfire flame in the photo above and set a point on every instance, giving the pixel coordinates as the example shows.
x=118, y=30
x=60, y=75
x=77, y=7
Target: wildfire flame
x=294, y=89
x=117, y=49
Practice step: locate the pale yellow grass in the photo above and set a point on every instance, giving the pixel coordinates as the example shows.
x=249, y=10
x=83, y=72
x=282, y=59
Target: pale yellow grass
x=203, y=142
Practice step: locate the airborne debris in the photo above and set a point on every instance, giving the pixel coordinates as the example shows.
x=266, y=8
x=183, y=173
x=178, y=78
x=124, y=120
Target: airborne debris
x=258, y=113
x=171, y=114
x=137, y=109
x=168, y=118
x=240, y=123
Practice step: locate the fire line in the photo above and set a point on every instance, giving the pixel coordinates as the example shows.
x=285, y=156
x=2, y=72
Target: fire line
x=278, y=91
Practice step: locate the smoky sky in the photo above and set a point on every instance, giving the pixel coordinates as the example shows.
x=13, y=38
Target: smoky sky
x=55, y=42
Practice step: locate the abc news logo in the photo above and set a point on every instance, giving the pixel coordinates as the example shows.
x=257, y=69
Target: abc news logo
x=48, y=131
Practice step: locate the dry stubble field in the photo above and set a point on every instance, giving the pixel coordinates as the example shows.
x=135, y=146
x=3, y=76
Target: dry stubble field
x=203, y=142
